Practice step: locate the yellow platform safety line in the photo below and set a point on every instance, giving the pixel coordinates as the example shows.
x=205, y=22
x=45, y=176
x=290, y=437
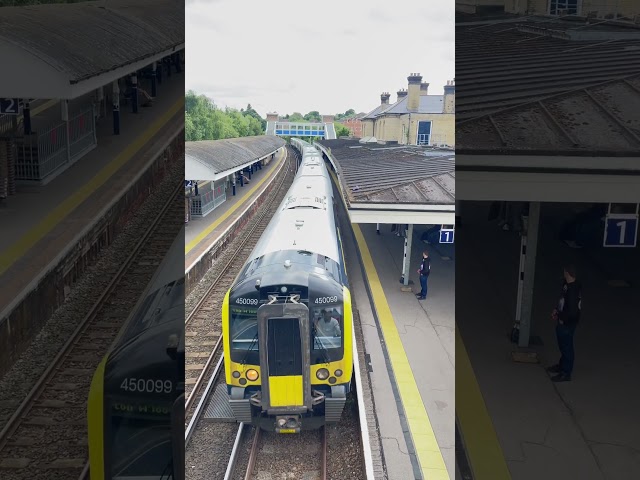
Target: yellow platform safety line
x=193, y=243
x=485, y=456
x=29, y=239
x=41, y=108
x=424, y=439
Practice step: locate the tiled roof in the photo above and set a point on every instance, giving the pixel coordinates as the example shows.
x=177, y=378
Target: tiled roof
x=230, y=153
x=501, y=65
x=399, y=174
x=428, y=104
x=600, y=120
x=82, y=40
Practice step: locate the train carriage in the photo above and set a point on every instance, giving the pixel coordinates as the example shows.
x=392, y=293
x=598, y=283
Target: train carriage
x=136, y=400
x=287, y=320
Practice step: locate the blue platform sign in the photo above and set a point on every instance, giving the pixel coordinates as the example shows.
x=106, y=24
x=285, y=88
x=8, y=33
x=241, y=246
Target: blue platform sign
x=621, y=230
x=446, y=235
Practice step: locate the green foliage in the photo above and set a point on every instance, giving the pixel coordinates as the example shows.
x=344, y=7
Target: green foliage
x=342, y=116
x=296, y=117
x=313, y=116
x=205, y=121
x=341, y=130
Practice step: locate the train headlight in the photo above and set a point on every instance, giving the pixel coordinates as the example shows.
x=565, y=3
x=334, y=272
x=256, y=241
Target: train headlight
x=236, y=374
x=252, y=375
x=322, y=374
x=338, y=373
x=282, y=422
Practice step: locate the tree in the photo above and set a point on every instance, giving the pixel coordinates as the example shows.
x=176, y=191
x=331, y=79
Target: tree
x=341, y=130
x=296, y=117
x=313, y=116
x=205, y=121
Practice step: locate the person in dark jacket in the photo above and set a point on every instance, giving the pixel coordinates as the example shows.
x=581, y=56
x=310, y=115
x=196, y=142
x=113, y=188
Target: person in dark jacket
x=566, y=316
x=425, y=269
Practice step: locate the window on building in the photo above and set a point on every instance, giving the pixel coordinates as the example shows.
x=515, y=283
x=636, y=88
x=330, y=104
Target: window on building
x=424, y=133
x=564, y=7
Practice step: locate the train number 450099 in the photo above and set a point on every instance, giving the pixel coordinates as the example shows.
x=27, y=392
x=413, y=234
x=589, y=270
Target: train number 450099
x=326, y=299
x=146, y=385
x=246, y=301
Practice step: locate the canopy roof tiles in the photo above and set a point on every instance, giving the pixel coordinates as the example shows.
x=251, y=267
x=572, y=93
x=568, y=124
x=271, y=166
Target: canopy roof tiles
x=600, y=120
x=70, y=45
x=501, y=65
x=228, y=155
x=400, y=174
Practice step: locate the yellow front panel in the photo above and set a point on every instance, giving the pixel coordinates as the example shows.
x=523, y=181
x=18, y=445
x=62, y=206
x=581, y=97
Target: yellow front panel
x=286, y=391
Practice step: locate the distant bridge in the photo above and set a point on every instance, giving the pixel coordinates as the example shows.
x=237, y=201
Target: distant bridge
x=324, y=129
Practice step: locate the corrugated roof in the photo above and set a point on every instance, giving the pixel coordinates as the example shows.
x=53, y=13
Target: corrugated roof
x=83, y=40
x=600, y=120
x=507, y=64
x=230, y=153
x=399, y=174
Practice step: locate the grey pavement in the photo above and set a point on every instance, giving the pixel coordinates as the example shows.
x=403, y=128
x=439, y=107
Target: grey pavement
x=427, y=332
x=583, y=429
x=31, y=204
x=197, y=224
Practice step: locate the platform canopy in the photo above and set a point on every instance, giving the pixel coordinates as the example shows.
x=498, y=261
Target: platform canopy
x=215, y=159
x=562, y=124
x=62, y=51
x=391, y=183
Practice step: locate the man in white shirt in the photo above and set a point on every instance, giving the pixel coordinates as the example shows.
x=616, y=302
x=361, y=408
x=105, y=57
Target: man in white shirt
x=328, y=326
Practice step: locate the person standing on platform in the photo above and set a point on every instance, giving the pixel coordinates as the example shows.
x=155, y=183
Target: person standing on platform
x=566, y=316
x=424, y=271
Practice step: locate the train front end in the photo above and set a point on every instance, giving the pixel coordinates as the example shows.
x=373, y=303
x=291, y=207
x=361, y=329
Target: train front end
x=136, y=400
x=287, y=328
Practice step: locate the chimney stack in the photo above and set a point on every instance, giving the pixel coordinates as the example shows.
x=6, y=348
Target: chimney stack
x=384, y=98
x=401, y=93
x=424, y=88
x=449, y=97
x=413, y=101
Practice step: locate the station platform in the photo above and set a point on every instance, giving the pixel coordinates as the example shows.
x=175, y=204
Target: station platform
x=415, y=340
x=40, y=222
x=525, y=426
x=202, y=232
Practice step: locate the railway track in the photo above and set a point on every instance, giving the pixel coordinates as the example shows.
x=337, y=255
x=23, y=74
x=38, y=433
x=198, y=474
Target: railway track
x=203, y=325
x=281, y=456
x=43, y=439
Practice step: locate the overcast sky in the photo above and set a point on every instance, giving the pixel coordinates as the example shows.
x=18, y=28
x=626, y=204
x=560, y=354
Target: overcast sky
x=265, y=53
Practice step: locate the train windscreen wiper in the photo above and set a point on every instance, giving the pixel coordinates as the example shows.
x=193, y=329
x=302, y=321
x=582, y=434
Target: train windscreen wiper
x=323, y=349
x=246, y=355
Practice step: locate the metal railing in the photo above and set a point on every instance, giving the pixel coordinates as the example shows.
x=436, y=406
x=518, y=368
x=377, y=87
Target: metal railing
x=43, y=153
x=205, y=202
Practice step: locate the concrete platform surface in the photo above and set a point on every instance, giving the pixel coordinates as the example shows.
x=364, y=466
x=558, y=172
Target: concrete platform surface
x=40, y=221
x=586, y=428
x=426, y=332
x=201, y=232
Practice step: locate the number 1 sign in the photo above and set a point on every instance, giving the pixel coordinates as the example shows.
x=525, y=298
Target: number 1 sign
x=620, y=230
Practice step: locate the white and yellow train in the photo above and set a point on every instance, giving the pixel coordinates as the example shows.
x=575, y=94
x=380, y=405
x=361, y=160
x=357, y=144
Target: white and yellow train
x=287, y=318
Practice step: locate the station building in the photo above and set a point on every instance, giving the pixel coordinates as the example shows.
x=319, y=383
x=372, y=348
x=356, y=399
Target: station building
x=416, y=118
x=609, y=9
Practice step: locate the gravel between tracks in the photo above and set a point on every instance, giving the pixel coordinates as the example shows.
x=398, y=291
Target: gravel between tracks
x=20, y=379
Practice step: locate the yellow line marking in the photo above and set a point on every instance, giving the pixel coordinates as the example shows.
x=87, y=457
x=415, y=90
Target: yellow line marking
x=193, y=243
x=481, y=441
x=424, y=439
x=28, y=240
x=43, y=107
